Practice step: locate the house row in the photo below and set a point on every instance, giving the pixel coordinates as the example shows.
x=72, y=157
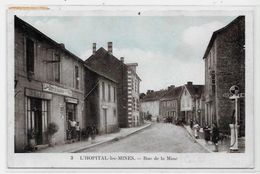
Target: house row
x=184, y=103
x=224, y=60
x=54, y=85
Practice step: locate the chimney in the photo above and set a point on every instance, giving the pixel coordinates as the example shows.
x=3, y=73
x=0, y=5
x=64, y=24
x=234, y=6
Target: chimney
x=122, y=59
x=110, y=47
x=149, y=92
x=189, y=83
x=171, y=87
x=94, y=48
x=62, y=45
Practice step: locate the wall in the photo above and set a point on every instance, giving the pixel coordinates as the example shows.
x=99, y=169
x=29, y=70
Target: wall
x=186, y=101
x=115, y=69
x=108, y=123
x=43, y=73
x=230, y=70
x=151, y=106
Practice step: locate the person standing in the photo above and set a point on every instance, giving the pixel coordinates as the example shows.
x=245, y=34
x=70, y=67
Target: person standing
x=73, y=129
x=206, y=130
x=78, y=131
x=215, y=136
x=191, y=123
x=196, y=128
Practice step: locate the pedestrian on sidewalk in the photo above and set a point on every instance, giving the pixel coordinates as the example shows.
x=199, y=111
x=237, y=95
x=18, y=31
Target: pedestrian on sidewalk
x=191, y=123
x=206, y=130
x=93, y=133
x=73, y=129
x=196, y=129
x=78, y=131
x=215, y=136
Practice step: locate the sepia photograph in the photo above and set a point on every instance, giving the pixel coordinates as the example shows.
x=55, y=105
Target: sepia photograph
x=168, y=84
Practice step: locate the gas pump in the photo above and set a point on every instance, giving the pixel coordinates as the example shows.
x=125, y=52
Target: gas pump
x=235, y=95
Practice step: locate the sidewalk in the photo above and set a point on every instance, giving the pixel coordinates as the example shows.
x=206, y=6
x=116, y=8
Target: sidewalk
x=82, y=145
x=223, y=146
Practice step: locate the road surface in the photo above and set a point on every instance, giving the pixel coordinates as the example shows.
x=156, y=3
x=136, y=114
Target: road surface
x=159, y=137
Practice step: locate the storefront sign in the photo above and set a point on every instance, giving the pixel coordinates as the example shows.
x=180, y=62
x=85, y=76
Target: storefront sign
x=56, y=89
x=71, y=100
x=38, y=94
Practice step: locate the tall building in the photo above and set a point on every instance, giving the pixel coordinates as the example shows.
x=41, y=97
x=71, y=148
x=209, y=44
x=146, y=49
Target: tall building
x=49, y=86
x=104, y=62
x=224, y=67
x=133, y=81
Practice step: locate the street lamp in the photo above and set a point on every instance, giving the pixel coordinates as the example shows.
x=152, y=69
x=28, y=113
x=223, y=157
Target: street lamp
x=234, y=90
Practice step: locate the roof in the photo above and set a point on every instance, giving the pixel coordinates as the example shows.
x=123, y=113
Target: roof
x=32, y=30
x=100, y=74
x=215, y=33
x=173, y=93
x=153, y=96
x=103, y=53
x=195, y=90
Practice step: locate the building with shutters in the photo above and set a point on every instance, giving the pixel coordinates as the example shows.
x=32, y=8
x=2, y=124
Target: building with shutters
x=170, y=103
x=49, y=86
x=101, y=102
x=104, y=62
x=224, y=67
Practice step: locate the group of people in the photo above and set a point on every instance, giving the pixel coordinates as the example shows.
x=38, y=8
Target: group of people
x=74, y=130
x=209, y=133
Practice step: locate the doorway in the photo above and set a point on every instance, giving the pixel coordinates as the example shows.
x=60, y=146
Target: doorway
x=70, y=115
x=37, y=111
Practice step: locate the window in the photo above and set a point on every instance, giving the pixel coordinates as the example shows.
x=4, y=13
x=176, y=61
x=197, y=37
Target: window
x=56, y=59
x=77, y=76
x=103, y=90
x=114, y=112
x=109, y=92
x=29, y=55
x=114, y=94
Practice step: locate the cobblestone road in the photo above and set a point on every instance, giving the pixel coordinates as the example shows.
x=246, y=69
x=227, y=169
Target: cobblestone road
x=160, y=137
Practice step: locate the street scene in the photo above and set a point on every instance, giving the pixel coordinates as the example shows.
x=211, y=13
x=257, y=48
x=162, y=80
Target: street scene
x=133, y=84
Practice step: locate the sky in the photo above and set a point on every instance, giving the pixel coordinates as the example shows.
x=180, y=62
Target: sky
x=168, y=49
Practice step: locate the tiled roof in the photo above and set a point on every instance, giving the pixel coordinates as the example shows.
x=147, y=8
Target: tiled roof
x=173, y=93
x=153, y=96
x=195, y=90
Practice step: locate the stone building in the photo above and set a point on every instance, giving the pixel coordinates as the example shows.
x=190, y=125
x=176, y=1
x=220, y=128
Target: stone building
x=101, y=101
x=150, y=103
x=192, y=103
x=104, y=62
x=170, y=103
x=224, y=67
x=133, y=81
x=49, y=86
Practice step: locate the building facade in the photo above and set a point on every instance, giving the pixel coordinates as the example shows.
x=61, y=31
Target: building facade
x=150, y=103
x=103, y=62
x=133, y=81
x=101, y=102
x=170, y=103
x=49, y=86
x=224, y=67
x=191, y=103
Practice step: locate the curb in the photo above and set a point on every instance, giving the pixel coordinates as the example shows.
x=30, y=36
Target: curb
x=110, y=140
x=207, y=149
